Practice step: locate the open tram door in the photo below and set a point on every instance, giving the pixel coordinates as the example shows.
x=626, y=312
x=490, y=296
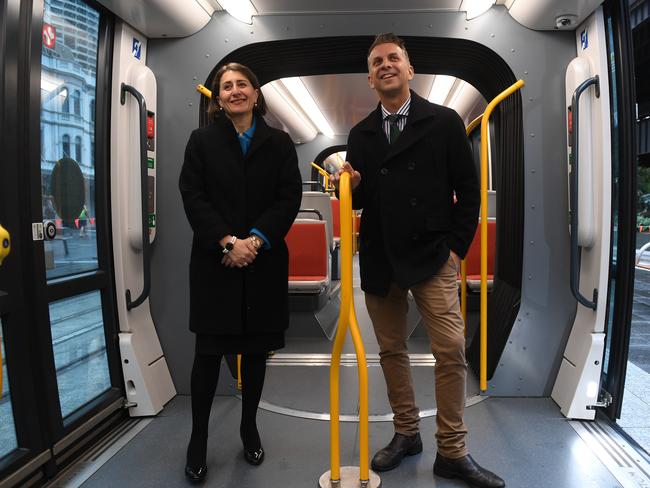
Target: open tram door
x=601, y=177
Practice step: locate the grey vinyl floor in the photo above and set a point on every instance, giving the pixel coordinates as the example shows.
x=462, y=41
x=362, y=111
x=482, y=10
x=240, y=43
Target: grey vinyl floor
x=526, y=441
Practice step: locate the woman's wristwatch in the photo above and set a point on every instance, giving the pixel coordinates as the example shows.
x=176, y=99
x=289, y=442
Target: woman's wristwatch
x=230, y=245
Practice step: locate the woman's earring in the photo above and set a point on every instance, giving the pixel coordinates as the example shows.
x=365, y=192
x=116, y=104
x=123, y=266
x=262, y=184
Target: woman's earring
x=256, y=104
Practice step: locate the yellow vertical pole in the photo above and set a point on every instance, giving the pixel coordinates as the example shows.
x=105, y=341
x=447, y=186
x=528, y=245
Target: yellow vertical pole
x=239, y=371
x=349, y=229
x=485, y=120
x=348, y=319
x=344, y=318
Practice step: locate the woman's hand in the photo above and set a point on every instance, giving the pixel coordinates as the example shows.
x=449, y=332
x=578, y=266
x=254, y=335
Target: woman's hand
x=355, y=176
x=243, y=253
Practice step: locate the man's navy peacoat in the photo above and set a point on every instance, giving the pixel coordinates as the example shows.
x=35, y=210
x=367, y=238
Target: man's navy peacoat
x=410, y=221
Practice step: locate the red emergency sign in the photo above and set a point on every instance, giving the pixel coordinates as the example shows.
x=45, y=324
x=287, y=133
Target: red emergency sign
x=49, y=35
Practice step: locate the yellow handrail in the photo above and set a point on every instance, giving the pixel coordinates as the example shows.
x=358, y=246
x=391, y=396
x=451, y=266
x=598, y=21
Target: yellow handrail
x=239, y=371
x=484, y=221
x=473, y=124
x=347, y=318
x=323, y=173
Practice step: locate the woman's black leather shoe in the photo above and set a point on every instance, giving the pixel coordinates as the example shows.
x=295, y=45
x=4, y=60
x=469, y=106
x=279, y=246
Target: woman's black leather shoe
x=254, y=457
x=196, y=475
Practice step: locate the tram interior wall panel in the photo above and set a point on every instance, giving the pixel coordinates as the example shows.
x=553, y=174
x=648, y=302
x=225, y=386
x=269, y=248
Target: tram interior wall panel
x=533, y=348
x=307, y=152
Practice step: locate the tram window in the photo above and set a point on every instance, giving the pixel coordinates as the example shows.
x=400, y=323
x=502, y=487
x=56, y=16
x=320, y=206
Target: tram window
x=7, y=430
x=79, y=350
x=69, y=68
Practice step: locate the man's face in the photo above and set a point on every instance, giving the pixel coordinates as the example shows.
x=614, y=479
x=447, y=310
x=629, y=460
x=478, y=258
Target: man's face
x=388, y=69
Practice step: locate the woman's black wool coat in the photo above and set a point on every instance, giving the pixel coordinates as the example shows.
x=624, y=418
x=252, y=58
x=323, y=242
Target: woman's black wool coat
x=225, y=192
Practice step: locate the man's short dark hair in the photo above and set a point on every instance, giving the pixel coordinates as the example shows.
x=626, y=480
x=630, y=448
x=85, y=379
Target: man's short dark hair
x=388, y=38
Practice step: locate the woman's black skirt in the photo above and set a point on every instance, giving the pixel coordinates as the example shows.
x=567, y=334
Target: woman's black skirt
x=214, y=344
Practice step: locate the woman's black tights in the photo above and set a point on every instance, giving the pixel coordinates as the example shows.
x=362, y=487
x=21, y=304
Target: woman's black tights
x=205, y=375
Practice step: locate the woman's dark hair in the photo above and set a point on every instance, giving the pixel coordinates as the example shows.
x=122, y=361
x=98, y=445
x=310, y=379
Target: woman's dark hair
x=214, y=110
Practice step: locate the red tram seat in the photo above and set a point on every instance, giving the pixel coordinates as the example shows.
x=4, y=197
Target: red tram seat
x=473, y=258
x=308, y=257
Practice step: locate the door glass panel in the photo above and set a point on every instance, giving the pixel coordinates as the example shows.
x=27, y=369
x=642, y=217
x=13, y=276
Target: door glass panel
x=635, y=415
x=79, y=350
x=68, y=81
x=7, y=429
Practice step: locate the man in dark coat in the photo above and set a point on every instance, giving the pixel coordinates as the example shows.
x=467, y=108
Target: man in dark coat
x=408, y=159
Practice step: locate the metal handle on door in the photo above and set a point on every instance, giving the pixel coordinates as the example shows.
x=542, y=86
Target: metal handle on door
x=5, y=244
x=130, y=304
x=575, y=249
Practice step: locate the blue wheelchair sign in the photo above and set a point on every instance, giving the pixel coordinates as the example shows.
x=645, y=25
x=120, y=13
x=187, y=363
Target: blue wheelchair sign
x=137, y=48
x=584, y=40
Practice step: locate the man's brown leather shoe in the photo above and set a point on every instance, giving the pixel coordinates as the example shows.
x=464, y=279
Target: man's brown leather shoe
x=390, y=456
x=468, y=470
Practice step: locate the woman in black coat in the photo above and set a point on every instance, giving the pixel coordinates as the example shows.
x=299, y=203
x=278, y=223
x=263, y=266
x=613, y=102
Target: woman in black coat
x=241, y=190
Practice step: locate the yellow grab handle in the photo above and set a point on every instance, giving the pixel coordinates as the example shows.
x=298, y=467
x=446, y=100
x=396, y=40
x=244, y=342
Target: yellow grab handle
x=5, y=244
x=485, y=120
x=204, y=91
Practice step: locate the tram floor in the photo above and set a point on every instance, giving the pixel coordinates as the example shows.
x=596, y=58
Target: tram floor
x=525, y=440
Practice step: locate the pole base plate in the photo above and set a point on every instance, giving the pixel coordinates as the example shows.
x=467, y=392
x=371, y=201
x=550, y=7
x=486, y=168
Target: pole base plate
x=349, y=479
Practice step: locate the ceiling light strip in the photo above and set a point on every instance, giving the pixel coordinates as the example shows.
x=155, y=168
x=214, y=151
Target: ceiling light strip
x=242, y=10
x=299, y=92
x=442, y=85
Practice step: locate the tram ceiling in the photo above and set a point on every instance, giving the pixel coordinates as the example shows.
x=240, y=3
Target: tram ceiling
x=474, y=63
x=345, y=99
x=181, y=18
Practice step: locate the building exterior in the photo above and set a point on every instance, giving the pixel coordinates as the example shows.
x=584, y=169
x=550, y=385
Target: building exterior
x=68, y=86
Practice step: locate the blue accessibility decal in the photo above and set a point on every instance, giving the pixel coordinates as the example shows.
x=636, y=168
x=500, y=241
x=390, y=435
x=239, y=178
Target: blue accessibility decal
x=136, y=50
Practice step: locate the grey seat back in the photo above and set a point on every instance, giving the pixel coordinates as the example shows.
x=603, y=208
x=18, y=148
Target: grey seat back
x=321, y=202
